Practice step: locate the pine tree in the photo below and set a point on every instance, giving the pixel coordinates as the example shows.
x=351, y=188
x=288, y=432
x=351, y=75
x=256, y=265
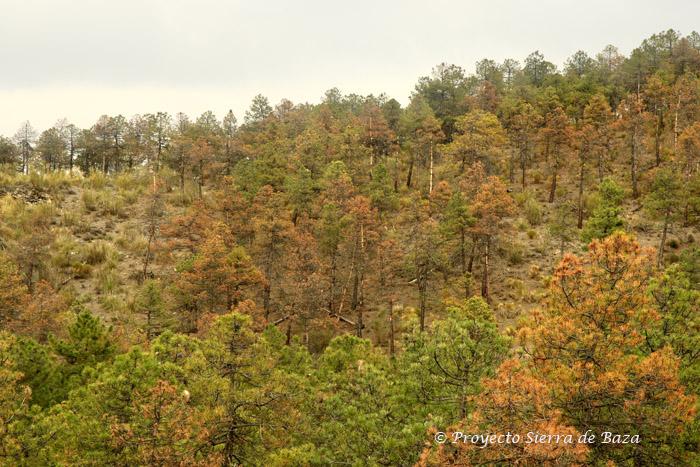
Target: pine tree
x=605, y=218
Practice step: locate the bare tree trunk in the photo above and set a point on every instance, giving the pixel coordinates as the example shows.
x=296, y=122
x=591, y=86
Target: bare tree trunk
x=580, y=195
x=463, y=250
x=470, y=267
x=463, y=404
x=409, y=176
x=357, y=272
x=71, y=157
x=463, y=261
x=371, y=144
x=422, y=292
x=430, y=190
x=485, y=274
x=633, y=164
x=149, y=325
x=660, y=257
x=553, y=188
x=267, y=289
x=396, y=175
x=200, y=180
x=153, y=214
x=331, y=294
x=675, y=124
x=392, y=348
x=354, y=301
x=657, y=139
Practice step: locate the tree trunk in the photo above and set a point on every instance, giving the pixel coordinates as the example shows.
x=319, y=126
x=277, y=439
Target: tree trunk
x=331, y=294
x=71, y=156
x=354, y=301
x=580, y=196
x=422, y=293
x=360, y=323
x=149, y=326
x=463, y=250
x=633, y=165
x=266, y=299
x=267, y=289
x=430, y=190
x=553, y=188
x=660, y=257
x=485, y=274
x=463, y=403
x=200, y=180
x=392, y=348
x=463, y=260
x=371, y=146
x=396, y=176
x=409, y=176
x=470, y=266
x=657, y=139
x=675, y=125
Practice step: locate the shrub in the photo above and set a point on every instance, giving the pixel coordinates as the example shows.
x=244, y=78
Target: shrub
x=97, y=252
x=42, y=211
x=113, y=205
x=515, y=255
x=128, y=181
x=181, y=199
x=131, y=240
x=96, y=181
x=52, y=182
x=71, y=218
x=129, y=196
x=107, y=281
x=64, y=252
x=90, y=200
x=521, y=197
x=533, y=211
x=104, y=202
x=536, y=176
x=516, y=288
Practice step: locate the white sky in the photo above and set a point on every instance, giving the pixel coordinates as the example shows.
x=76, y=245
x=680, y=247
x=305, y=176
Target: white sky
x=83, y=58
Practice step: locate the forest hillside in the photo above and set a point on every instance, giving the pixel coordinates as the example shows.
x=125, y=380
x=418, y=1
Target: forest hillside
x=513, y=251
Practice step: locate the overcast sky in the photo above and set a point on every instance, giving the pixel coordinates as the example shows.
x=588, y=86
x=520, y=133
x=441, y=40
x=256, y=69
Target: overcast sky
x=83, y=58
